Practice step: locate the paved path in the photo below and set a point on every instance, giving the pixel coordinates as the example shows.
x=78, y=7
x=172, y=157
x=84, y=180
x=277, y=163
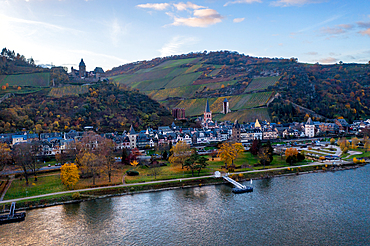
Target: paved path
x=158, y=182
x=6, y=188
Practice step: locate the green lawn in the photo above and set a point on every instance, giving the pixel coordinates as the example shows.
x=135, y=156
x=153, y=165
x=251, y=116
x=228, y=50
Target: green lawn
x=44, y=185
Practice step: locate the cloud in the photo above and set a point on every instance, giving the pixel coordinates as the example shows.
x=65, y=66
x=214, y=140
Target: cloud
x=202, y=18
x=242, y=1
x=116, y=30
x=155, y=6
x=87, y=52
x=175, y=44
x=328, y=60
x=313, y=53
x=184, y=6
x=363, y=24
x=338, y=29
x=4, y=18
x=333, y=18
x=237, y=20
x=286, y=3
x=366, y=32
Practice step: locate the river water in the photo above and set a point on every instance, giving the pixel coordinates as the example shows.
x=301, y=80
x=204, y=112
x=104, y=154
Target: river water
x=315, y=209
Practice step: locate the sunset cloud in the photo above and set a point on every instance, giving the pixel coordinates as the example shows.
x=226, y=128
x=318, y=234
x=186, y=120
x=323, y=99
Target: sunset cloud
x=286, y=3
x=184, y=6
x=328, y=60
x=338, y=29
x=366, y=32
x=242, y=1
x=201, y=18
x=155, y=6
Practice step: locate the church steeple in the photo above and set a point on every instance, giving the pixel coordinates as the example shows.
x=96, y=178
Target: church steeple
x=207, y=110
x=207, y=113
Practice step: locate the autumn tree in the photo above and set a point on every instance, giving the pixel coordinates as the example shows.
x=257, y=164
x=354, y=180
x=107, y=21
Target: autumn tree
x=265, y=154
x=292, y=155
x=343, y=143
x=228, y=152
x=90, y=164
x=104, y=151
x=332, y=141
x=5, y=155
x=69, y=175
x=366, y=143
x=354, y=143
x=179, y=153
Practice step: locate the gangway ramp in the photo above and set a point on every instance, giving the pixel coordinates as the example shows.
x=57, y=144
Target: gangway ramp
x=236, y=184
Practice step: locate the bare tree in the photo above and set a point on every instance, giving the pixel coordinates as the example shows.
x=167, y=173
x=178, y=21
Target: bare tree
x=35, y=165
x=22, y=157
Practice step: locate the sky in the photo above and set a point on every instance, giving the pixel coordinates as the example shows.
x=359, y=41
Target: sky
x=109, y=33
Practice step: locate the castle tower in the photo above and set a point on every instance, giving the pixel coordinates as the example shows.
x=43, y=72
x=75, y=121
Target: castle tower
x=225, y=106
x=82, y=68
x=236, y=132
x=132, y=135
x=309, y=128
x=207, y=114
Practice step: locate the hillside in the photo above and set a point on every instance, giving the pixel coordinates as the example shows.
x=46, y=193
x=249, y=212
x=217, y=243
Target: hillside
x=108, y=107
x=185, y=81
x=16, y=70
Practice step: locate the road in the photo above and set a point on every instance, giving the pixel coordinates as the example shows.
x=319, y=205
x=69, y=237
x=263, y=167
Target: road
x=30, y=171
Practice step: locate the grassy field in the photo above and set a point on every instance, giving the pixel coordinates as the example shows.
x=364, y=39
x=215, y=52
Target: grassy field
x=74, y=90
x=44, y=185
x=33, y=79
x=261, y=83
x=51, y=182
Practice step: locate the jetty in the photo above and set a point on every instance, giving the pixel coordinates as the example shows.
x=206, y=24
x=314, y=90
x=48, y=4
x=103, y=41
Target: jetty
x=238, y=188
x=12, y=216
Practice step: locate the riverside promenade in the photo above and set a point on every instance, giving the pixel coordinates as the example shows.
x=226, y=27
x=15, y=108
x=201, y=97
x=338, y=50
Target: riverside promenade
x=170, y=180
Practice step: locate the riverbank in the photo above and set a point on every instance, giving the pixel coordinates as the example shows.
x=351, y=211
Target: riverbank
x=76, y=196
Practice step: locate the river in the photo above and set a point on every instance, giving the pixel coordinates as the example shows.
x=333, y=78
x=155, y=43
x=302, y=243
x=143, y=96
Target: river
x=329, y=208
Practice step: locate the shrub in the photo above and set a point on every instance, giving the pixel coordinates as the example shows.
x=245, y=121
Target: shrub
x=76, y=196
x=132, y=173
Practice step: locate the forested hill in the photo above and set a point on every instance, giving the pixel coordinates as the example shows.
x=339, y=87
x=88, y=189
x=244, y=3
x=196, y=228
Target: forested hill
x=106, y=106
x=250, y=84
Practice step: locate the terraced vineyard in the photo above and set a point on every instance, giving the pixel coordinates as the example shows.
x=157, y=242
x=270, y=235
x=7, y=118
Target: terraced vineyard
x=258, y=84
x=182, y=83
x=246, y=115
x=34, y=80
x=195, y=107
x=73, y=90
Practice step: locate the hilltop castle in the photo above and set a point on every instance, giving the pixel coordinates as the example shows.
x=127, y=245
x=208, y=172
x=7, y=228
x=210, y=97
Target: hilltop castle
x=81, y=74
